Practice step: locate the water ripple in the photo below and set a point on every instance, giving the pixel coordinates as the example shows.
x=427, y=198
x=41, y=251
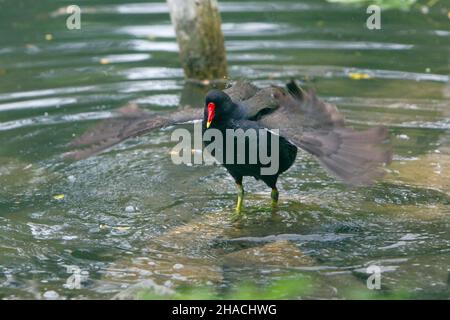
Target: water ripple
x=37, y=103
x=323, y=237
x=274, y=71
x=57, y=119
x=241, y=45
x=161, y=8
x=229, y=29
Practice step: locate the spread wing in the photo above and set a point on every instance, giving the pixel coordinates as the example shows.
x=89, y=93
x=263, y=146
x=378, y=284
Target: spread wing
x=131, y=121
x=355, y=157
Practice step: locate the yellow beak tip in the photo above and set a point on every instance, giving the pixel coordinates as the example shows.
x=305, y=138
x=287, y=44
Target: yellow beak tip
x=208, y=124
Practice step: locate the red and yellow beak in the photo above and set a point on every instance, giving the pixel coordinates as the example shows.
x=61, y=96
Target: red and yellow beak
x=211, y=114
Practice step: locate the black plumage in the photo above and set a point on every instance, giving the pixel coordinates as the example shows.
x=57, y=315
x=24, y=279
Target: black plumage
x=230, y=115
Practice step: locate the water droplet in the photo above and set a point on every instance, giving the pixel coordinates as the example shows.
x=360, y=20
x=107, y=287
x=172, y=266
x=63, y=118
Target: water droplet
x=178, y=266
x=51, y=295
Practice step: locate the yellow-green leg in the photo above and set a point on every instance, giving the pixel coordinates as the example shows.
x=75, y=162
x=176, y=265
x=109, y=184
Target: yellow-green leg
x=240, y=200
x=274, y=195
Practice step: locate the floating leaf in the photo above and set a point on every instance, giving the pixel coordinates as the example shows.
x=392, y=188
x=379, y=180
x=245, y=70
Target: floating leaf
x=59, y=197
x=359, y=76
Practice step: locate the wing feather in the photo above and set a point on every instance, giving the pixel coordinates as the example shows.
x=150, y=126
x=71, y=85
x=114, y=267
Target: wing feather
x=355, y=157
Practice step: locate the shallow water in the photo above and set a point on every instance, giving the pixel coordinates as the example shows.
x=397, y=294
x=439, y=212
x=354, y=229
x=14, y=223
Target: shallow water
x=130, y=214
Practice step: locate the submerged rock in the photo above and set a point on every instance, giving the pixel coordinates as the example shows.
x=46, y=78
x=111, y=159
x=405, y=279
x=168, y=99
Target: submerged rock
x=277, y=254
x=189, y=255
x=146, y=287
x=429, y=171
x=183, y=255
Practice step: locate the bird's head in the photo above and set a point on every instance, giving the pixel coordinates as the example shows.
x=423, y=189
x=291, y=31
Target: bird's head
x=217, y=106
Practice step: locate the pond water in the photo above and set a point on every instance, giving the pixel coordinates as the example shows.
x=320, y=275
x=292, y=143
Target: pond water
x=130, y=215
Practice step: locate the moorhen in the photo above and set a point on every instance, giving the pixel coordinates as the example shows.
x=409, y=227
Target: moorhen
x=302, y=120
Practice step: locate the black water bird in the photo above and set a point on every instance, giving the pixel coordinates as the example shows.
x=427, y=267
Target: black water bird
x=223, y=114
x=301, y=118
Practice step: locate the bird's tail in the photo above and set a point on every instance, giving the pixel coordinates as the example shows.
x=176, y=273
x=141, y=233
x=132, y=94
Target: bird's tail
x=356, y=157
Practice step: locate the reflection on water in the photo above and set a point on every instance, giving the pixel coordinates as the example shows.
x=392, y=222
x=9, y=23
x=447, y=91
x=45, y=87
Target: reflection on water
x=130, y=215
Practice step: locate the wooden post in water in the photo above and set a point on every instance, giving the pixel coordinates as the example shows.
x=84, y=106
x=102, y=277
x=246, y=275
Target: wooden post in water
x=197, y=25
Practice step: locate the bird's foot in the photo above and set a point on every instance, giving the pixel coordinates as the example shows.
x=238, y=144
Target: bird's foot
x=274, y=195
x=240, y=201
x=236, y=217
